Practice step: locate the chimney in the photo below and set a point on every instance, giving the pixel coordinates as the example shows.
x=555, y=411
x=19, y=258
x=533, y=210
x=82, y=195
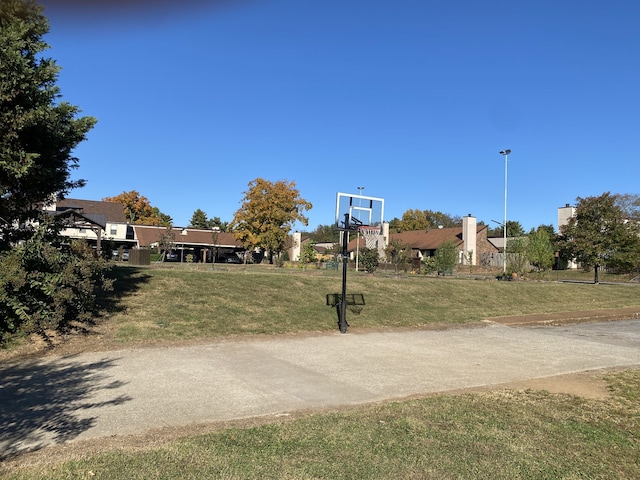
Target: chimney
x=469, y=240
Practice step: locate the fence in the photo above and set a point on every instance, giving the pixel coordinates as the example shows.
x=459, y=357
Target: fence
x=139, y=256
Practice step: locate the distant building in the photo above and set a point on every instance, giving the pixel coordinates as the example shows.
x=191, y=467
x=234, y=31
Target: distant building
x=94, y=221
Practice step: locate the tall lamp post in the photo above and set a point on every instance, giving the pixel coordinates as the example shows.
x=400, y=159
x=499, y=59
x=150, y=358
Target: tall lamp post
x=505, y=153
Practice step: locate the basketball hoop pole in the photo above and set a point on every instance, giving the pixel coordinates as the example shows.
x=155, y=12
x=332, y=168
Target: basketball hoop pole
x=342, y=310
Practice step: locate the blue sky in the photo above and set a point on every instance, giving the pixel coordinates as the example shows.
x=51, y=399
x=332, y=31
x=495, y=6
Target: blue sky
x=411, y=99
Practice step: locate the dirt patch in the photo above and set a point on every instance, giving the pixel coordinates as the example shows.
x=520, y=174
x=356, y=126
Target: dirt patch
x=566, y=318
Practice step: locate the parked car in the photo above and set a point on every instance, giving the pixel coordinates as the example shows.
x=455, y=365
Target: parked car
x=232, y=259
x=171, y=257
x=116, y=255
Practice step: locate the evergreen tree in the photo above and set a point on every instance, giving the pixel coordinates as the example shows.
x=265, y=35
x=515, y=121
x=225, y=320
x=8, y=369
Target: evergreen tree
x=38, y=131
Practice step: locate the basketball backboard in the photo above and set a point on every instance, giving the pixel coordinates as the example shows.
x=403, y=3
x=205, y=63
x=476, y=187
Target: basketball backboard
x=354, y=210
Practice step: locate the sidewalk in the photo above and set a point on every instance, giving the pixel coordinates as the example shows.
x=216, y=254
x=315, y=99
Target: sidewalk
x=93, y=395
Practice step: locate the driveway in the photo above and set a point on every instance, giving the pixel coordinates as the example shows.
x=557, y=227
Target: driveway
x=55, y=400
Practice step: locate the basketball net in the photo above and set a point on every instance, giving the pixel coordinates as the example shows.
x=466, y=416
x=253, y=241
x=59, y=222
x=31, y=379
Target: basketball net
x=370, y=235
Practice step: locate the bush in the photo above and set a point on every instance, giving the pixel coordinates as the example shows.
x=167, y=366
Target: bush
x=369, y=258
x=44, y=288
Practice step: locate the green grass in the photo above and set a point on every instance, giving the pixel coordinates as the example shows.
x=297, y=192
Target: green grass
x=186, y=303
x=505, y=434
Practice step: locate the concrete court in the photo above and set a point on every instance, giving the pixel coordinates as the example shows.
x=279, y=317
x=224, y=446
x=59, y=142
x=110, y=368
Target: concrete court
x=92, y=395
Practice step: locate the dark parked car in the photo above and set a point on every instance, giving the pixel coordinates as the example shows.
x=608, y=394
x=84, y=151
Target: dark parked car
x=116, y=255
x=232, y=259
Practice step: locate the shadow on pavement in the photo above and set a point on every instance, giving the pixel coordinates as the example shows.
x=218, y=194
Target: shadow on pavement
x=43, y=403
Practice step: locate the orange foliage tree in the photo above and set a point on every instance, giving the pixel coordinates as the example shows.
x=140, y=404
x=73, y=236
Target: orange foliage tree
x=268, y=212
x=138, y=209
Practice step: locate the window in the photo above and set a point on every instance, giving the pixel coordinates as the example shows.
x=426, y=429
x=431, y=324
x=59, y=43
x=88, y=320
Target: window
x=114, y=230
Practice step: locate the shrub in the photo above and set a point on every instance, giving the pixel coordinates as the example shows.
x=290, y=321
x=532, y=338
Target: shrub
x=44, y=288
x=369, y=258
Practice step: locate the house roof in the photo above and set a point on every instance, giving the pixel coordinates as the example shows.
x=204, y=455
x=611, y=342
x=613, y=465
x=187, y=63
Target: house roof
x=424, y=239
x=431, y=239
x=146, y=235
x=78, y=219
x=112, y=212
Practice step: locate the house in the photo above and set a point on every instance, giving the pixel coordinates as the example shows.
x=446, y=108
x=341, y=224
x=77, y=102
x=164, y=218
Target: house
x=295, y=242
x=201, y=244
x=98, y=222
x=94, y=221
x=470, y=239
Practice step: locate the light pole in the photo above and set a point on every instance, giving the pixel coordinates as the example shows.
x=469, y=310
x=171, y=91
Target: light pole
x=504, y=225
x=358, y=233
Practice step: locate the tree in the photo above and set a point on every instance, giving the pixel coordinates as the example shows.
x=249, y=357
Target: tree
x=425, y=219
x=138, y=209
x=514, y=229
x=44, y=288
x=326, y=233
x=395, y=225
x=215, y=222
x=268, y=213
x=166, y=241
x=38, y=132
x=599, y=235
x=629, y=204
x=517, y=249
x=398, y=254
x=540, y=249
x=370, y=259
x=199, y=220
x=307, y=253
x=446, y=257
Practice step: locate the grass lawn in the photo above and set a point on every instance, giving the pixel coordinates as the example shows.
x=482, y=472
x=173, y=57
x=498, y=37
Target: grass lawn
x=504, y=434
x=155, y=304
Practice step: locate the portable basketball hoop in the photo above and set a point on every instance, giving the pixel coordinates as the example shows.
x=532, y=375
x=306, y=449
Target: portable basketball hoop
x=365, y=215
x=370, y=234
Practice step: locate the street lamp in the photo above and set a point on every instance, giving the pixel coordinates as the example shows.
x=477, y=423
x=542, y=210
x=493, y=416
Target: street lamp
x=504, y=225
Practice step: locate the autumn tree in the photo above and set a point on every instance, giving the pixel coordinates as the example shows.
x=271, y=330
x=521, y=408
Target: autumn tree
x=425, y=219
x=599, y=235
x=268, y=212
x=38, y=131
x=139, y=210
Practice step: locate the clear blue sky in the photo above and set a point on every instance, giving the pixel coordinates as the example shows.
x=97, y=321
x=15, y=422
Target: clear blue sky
x=411, y=99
